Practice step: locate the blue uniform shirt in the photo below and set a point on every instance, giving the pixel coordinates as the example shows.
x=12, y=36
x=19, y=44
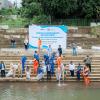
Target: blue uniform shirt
x=36, y=56
x=40, y=70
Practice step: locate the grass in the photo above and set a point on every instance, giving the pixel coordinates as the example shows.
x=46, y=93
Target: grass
x=96, y=30
x=17, y=23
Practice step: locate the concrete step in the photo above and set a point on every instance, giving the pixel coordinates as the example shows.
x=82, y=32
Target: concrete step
x=64, y=62
x=7, y=45
x=31, y=65
x=72, y=79
x=67, y=76
x=11, y=54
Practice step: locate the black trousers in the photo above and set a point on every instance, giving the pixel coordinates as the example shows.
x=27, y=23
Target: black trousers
x=78, y=76
x=60, y=53
x=26, y=46
x=72, y=73
x=89, y=65
x=2, y=73
x=48, y=75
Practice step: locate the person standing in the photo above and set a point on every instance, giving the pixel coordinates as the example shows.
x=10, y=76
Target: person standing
x=78, y=72
x=60, y=50
x=74, y=49
x=2, y=69
x=13, y=42
x=51, y=60
x=39, y=45
x=59, y=61
x=35, y=66
x=49, y=51
x=19, y=70
x=36, y=56
x=46, y=59
x=26, y=43
x=44, y=68
x=88, y=61
x=48, y=71
x=62, y=71
x=58, y=74
x=86, y=75
x=71, y=68
x=23, y=62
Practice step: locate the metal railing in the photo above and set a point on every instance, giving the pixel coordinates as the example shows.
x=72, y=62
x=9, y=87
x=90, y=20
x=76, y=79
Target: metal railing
x=68, y=22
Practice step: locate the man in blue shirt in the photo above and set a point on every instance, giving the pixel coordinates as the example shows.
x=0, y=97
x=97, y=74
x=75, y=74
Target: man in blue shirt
x=23, y=61
x=79, y=69
x=46, y=58
x=51, y=61
x=36, y=56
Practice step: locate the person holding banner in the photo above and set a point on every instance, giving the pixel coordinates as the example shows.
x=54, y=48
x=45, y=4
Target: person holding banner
x=39, y=45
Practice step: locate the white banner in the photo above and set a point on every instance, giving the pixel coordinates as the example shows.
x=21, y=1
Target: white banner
x=50, y=35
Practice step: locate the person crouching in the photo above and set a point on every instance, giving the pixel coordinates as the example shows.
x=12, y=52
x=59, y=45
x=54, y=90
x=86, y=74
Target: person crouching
x=28, y=72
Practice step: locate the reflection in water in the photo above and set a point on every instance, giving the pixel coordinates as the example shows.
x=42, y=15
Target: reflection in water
x=48, y=91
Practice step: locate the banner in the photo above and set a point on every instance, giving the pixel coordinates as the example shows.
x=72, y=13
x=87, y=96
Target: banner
x=50, y=35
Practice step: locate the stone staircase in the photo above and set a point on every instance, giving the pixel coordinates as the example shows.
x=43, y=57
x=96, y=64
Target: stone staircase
x=67, y=57
x=86, y=41
x=13, y=55
x=5, y=38
x=83, y=40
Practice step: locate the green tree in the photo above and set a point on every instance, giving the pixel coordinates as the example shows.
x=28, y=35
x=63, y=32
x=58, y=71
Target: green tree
x=88, y=8
x=61, y=8
x=30, y=8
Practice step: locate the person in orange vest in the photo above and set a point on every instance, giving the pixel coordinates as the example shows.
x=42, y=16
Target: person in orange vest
x=35, y=66
x=86, y=75
x=39, y=45
x=59, y=61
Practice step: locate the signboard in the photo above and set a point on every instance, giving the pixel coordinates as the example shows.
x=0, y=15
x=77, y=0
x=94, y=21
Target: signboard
x=50, y=35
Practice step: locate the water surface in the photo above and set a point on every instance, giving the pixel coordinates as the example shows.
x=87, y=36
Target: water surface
x=49, y=91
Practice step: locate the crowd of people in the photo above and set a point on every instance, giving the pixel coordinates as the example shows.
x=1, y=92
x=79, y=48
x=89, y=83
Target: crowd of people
x=47, y=67
x=51, y=64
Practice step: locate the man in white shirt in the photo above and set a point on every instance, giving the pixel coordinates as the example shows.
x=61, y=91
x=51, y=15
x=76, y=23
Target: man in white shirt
x=71, y=68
